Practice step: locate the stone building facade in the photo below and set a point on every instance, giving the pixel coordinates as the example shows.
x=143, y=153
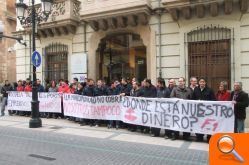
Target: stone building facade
x=110, y=39
x=7, y=52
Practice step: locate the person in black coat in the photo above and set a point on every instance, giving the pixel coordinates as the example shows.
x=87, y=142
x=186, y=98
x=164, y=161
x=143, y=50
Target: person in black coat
x=149, y=91
x=113, y=90
x=135, y=92
x=240, y=101
x=99, y=90
x=162, y=92
x=88, y=91
x=203, y=92
x=125, y=88
x=4, y=91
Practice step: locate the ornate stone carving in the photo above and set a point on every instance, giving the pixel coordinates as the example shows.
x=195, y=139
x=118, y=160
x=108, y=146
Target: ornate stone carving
x=76, y=9
x=58, y=9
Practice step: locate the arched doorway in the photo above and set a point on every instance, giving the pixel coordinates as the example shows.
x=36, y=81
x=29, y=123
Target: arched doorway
x=122, y=55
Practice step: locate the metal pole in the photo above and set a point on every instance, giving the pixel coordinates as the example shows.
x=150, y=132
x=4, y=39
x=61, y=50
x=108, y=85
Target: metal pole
x=160, y=38
x=35, y=121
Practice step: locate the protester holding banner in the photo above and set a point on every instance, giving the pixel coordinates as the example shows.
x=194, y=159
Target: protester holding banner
x=193, y=83
x=240, y=101
x=203, y=92
x=111, y=91
x=162, y=92
x=223, y=94
x=99, y=90
x=89, y=91
x=171, y=84
x=149, y=91
x=135, y=92
x=181, y=92
x=125, y=88
x=4, y=91
x=19, y=88
x=28, y=86
x=53, y=88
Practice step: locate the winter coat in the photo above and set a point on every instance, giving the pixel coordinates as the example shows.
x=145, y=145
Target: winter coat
x=182, y=93
x=149, y=92
x=223, y=96
x=100, y=91
x=205, y=94
x=5, y=89
x=89, y=91
x=163, y=92
x=241, y=103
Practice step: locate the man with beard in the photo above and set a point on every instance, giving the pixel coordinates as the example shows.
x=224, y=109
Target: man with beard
x=149, y=91
x=135, y=92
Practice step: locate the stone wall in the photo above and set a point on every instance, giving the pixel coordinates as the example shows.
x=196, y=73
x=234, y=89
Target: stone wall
x=8, y=58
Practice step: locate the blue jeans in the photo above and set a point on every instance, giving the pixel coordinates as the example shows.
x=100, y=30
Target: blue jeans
x=4, y=103
x=240, y=126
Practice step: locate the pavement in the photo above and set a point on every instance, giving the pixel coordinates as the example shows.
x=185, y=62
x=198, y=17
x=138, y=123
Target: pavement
x=60, y=141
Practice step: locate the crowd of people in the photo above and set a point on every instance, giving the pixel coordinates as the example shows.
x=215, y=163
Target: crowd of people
x=197, y=90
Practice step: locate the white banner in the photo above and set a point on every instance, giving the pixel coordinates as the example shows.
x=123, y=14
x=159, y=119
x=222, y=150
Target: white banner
x=206, y=117
x=21, y=101
x=102, y=107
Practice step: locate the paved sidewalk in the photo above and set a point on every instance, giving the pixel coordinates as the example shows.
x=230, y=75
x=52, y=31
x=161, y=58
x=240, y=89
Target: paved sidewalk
x=62, y=126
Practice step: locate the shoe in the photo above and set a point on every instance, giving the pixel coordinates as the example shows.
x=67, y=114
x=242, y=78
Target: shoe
x=199, y=140
x=96, y=125
x=173, y=138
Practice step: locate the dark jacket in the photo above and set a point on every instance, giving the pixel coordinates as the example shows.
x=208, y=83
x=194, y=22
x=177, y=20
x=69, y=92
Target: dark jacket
x=136, y=93
x=163, y=92
x=126, y=89
x=79, y=92
x=100, y=91
x=88, y=91
x=182, y=93
x=240, y=106
x=40, y=88
x=5, y=89
x=206, y=94
x=112, y=91
x=149, y=92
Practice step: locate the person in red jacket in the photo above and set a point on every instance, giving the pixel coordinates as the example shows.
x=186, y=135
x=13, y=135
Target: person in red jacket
x=223, y=94
x=20, y=86
x=64, y=88
x=28, y=86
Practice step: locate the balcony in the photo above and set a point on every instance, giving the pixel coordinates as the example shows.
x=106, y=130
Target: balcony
x=106, y=14
x=64, y=19
x=200, y=8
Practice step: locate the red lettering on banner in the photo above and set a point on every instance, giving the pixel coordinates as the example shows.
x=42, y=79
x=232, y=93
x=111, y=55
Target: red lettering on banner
x=129, y=115
x=209, y=122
